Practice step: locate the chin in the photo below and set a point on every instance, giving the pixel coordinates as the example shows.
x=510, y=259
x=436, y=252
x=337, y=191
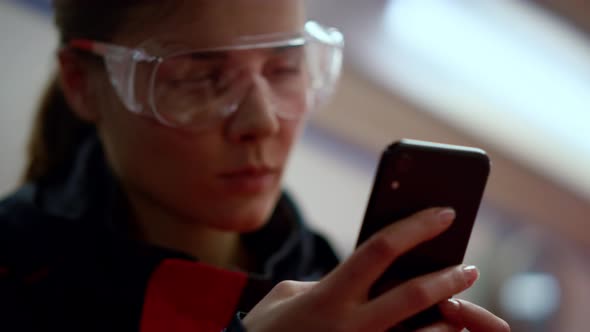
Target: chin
x=249, y=215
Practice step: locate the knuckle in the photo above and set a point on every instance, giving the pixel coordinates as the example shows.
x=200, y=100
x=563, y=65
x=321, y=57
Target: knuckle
x=382, y=247
x=286, y=288
x=419, y=295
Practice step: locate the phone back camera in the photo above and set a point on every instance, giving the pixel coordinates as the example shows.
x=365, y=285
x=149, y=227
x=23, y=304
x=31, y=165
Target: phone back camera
x=403, y=164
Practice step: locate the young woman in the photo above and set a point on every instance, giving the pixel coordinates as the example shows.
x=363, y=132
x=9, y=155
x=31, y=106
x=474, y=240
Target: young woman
x=153, y=198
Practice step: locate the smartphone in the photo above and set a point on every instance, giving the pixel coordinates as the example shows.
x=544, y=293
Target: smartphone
x=415, y=175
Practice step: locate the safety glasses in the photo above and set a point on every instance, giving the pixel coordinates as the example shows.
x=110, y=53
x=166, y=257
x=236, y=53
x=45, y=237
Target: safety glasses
x=193, y=88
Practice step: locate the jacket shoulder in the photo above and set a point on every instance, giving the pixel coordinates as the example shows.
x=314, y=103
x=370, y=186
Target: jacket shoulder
x=319, y=257
x=25, y=232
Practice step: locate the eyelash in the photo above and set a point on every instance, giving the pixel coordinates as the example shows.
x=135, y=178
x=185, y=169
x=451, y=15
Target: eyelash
x=274, y=70
x=291, y=68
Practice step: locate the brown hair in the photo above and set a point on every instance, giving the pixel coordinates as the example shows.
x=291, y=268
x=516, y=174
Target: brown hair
x=57, y=131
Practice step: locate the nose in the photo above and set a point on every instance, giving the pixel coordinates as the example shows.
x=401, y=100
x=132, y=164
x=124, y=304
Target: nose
x=255, y=117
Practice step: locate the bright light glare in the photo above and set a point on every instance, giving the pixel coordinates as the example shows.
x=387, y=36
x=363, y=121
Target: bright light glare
x=499, y=62
x=531, y=297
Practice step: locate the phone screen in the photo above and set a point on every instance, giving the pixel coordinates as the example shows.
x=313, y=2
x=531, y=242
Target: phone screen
x=413, y=176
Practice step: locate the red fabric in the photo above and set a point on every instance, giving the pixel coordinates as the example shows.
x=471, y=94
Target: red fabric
x=184, y=296
x=82, y=44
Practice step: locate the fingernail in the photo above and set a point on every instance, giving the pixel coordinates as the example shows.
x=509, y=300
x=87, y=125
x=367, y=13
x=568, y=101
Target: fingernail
x=471, y=274
x=446, y=216
x=452, y=305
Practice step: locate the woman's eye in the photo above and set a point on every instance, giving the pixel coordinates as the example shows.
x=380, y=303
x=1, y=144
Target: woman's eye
x=286, y=64
x=289, y=70
x=189, y=82
x=194, y=85
x=197, y=79
x=285, y=70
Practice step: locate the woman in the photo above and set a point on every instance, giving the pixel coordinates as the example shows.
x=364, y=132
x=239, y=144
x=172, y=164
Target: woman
x=153, y=199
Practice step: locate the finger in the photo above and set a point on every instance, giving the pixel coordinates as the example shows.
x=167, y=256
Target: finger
x=416, y=295
x=371, y=259
x=441, y=327
x=472, y=317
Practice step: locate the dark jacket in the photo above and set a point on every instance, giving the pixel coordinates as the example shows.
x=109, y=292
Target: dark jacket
x=69, y=262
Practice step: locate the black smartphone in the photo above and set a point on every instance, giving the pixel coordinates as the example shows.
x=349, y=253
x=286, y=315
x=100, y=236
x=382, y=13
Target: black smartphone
x=415, y=175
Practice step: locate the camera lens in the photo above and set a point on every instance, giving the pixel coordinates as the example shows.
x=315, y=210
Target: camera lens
x=404, y=163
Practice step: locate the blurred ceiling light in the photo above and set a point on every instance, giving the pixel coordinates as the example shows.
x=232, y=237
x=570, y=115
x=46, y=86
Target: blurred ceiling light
x=530, y=297
x=504, y=70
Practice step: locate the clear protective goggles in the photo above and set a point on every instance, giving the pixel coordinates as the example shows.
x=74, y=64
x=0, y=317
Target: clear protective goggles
x=191, y=88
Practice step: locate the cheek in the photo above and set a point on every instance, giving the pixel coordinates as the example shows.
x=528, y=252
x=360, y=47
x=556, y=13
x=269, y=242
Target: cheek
x=290, y=132
x=155, y=158
x=157, y=161
x=179, y=171
x=176, y=175
x=139, y=146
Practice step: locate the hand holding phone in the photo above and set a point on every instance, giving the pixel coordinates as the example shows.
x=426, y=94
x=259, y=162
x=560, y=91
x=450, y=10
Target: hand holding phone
x=413, y=176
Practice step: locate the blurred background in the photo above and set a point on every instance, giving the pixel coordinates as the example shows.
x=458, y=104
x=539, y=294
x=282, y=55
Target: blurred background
x=511, y=77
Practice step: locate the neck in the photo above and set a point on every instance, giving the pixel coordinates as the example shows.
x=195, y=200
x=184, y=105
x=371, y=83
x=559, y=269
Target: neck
x=159, y=227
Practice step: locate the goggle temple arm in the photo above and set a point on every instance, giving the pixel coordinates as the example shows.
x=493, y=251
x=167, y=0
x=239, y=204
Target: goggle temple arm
x=121, y=64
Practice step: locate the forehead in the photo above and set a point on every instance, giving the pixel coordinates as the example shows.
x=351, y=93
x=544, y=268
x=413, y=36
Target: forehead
x=210, y=23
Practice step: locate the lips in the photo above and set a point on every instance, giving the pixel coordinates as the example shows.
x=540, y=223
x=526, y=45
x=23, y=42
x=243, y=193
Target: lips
x=249, y=180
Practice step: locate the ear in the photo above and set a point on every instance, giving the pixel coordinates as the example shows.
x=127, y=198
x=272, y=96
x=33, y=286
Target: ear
x=74, y=77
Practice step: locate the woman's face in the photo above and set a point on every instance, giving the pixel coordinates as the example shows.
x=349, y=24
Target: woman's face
x=227, y=175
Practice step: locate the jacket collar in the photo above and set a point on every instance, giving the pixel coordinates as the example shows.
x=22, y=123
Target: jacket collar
x=86, y=191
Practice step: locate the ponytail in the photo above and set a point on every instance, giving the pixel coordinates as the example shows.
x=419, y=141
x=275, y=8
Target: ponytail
x=55, y=136
x=56, y=130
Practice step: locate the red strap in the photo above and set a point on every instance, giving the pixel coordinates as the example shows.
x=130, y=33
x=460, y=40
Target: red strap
x=184, y=296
